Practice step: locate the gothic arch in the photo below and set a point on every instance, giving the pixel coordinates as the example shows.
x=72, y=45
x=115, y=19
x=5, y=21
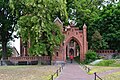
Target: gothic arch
x=79, y=43
x=75, y=38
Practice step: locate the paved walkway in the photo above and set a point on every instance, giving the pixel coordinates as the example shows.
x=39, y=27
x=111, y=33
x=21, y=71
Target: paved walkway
x=73, y=72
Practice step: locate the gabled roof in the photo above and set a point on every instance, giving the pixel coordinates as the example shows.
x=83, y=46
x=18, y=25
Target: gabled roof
x=57, y=19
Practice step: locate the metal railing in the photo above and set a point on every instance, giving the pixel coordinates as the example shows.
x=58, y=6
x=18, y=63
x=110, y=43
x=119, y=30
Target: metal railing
x=88, y=70
x=85, y=67
x=57, y=72
x=96, y=76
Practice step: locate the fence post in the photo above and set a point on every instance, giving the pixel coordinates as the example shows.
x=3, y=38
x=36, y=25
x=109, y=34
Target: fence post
x=85, y=68
x=57, y=72
x=52, y=77
x=60, y=69
x=95, y=75
x=62, y=66
x=88, y=69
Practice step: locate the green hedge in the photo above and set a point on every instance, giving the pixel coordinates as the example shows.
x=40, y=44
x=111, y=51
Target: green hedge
x=90, y=56
x=112, y=63
x=105, y=63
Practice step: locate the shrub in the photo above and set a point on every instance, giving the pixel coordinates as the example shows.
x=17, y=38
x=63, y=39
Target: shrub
x=90, y=56
x=116, y=56
x=106, y=63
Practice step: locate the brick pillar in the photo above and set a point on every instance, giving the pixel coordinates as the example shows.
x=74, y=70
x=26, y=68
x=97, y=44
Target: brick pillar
x=84, y=41
x=68, y=49
x=24, y=49
x=82, y=57
x=21, y=49
x=64, y=52
x=75, y=49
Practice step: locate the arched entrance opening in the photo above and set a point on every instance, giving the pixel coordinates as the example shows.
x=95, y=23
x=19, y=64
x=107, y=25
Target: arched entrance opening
x=73, y=48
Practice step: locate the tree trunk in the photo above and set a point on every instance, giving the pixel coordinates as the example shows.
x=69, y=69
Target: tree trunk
x=4, y=50
x=50, y=55
x=50, y=59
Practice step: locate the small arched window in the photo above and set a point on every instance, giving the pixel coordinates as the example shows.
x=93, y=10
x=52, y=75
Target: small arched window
x=56, y=53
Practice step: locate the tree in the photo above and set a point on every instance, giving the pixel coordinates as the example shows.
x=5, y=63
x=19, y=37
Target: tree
x=9, y=51
x=83, y=11
x=7, y=25
x=36, y=23
x=98, y=42
x=108, y=25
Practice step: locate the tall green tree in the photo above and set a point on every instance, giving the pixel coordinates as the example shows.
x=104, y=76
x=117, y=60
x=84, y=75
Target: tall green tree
x=98, y=42
x=7, y=25
x=108, y=25
x=37, y=23
x=83, y=11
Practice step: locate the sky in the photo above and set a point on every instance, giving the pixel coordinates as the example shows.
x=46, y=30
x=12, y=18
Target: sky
x=16, y=43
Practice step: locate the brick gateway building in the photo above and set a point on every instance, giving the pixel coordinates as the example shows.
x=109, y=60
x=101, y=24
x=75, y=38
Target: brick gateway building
x=75, y=43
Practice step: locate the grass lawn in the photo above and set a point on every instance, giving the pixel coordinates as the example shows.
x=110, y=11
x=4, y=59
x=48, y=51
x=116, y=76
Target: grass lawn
x=35, y=72
x=105, y=65
x=112, y=76
x=111, y=62
x=100, y=69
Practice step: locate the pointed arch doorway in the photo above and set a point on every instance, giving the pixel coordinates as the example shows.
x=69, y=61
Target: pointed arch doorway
x=72, y=48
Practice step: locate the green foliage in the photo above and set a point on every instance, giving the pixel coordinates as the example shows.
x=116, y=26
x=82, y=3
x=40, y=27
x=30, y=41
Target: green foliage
x=98, y=42
x=85, y=11
x=108, y=25
x=7, y=22
x=36, y=23
x=90, y=56
x=9, y=52
x=105, y=63
x=116, y=56
x=112, y=62
x=7, y=25
x=98, y=17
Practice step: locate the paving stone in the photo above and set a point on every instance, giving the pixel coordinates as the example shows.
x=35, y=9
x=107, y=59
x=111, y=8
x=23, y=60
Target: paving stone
x=73, y=71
